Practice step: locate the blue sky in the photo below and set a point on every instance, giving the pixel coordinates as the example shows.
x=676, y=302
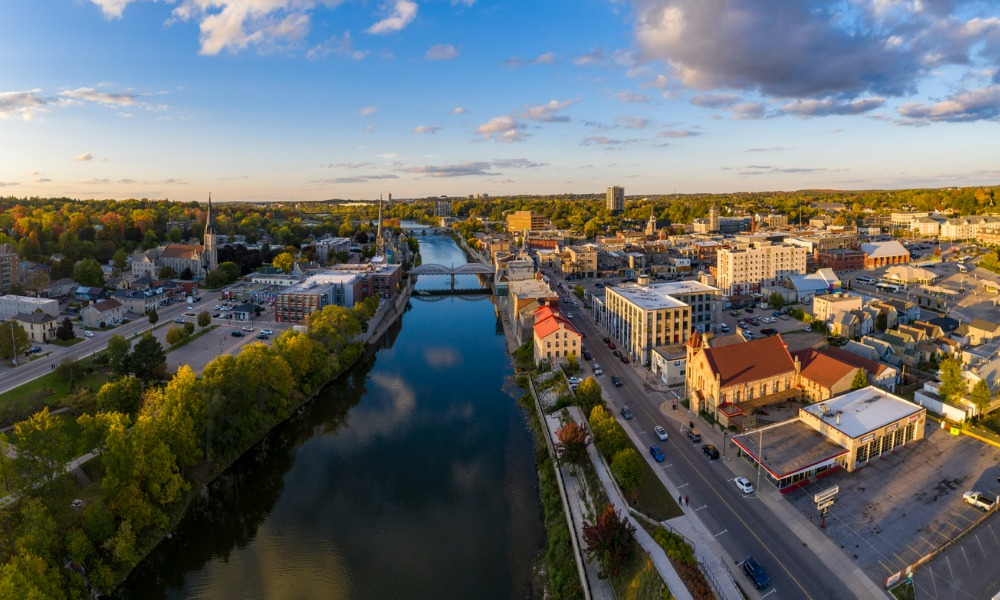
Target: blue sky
x=315, y=99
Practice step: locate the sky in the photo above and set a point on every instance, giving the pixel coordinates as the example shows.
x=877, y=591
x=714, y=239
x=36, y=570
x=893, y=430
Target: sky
x=285, y=100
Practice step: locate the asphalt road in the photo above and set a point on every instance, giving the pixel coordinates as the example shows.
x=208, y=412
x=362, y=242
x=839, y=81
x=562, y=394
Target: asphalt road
x=742, y=524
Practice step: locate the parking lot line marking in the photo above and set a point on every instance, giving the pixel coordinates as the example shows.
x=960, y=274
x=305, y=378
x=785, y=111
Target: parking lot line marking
x=721, y=532
x=773, y=591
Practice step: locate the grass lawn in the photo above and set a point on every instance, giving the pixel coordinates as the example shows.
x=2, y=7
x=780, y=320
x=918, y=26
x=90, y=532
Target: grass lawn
x=46, y=390
x=651, y=498
x=639, y=579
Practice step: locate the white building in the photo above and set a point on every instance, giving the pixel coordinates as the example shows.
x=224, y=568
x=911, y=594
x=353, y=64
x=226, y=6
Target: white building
x=749, y=266
x=11, y=305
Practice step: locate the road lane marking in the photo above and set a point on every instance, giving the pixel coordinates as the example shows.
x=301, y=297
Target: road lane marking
x=721, y=532
x=701, y=507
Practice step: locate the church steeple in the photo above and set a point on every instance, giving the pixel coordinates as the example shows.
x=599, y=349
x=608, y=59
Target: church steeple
x=209, y=224
x=210, y=256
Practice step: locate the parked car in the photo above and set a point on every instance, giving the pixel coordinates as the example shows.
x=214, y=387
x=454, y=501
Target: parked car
x=266, y=331
x=34, y=350
x=263, y=336
x=979, y=500
x=569, y=315
x=660, y=433
x=607, y=340
x=694, y=435
x=178, y=320
x=744, y=484
x=617, y=381
x=755, y=573
x=711, y=451
x=657, y=454
x=586, y=355
x=572, y=379
x=238, y=334
x=627, y=413
x=749, y=310
x=611, y=345
x=724, y=328
x=624, y=359
x=247, y=328
x=617, y=353
x=776, y=314
x=88, y=334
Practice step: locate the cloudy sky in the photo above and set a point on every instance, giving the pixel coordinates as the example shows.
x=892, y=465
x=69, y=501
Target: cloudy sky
x=315, y=99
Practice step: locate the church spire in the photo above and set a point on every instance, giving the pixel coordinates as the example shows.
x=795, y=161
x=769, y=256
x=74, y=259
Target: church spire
x=209, y=224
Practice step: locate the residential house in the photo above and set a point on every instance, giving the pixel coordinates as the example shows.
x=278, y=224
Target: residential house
x=979, y=331
x=554, y=336
x=879, y=374
x=41, y=326
x=669, y=363
x=89, y=294
x=103, y=313
x=822, y=375
x=141, y=302
x=827, y=306
x=845, y=324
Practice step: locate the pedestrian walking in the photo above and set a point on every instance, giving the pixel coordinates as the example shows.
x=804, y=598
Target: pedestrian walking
x=680, y=500
x=687, y=500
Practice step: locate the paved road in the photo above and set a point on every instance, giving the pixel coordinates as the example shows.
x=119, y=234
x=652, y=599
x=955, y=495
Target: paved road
x=743, y=525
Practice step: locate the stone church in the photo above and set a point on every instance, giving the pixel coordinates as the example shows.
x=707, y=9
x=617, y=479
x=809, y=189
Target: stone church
x=199, y=258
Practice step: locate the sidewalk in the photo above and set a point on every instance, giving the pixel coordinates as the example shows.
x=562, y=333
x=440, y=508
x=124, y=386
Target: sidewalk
x=822, y=546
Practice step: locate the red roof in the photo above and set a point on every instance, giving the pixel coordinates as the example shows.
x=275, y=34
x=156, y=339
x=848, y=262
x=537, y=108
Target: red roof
x=750, y=361
x=824, y=369
x=548, y=321
x=875, y=368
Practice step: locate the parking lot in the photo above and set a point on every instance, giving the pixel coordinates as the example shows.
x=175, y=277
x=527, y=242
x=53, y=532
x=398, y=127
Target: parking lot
x=904, y=505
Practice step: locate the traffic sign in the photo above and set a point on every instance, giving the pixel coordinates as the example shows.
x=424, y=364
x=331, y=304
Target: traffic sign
x=824, y=504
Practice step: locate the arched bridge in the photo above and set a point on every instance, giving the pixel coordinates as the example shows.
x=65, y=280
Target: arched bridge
x=466, y=269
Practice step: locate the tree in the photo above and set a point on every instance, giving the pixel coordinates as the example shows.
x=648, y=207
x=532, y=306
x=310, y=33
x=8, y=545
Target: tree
x=881, y=321
x=88, y=272
x=42, y=447
x=776, y=300
x=572, y=364
x=334, y=327
x=71, y=371
x=609, y=540
x=153, y=317
x=167, y=272
x=953, y=385
x=120, y=259
x=572, y=445
x=6, y=464
x=188, y=329
x=284, y=261
x=148, y=360
x=28, y=577
x=122, y=395
x=65, y=330
x=36, y=281
x=13, y=340
x=173, y=335
x=609, y=437
x=177, y=411
x=231, y=270
x=204, y=319
x=588, y=394
x=860, y=379
x=627, y=467
x=980, y=397
x=187, y=274
x=118, y=354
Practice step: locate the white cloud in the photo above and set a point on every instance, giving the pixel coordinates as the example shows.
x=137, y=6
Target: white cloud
x=633, y=122
x=235, y=25
x=970, y=105
x=546, y=112
x=502, y=129
x=441, y=52
x=112, y=9
x=546, y=58
x=632, y=97
x=22, y=105
x=368, y=110
x=678, y=133
x=458, y=110
x=342, y=46
x=426, y=129
x=84, y=157
x=401, y=14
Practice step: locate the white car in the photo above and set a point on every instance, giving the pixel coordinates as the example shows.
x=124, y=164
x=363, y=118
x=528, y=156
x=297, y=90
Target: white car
x=266, y=331
x=569, y=315
x=744, y=484
x=575, y=379
x=660, y=433
x=247, y=328
x=88, y=334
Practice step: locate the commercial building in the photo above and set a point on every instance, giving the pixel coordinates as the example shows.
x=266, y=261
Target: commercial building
x=883, y=254
x=10, y=267
x=11, y=305
x=841, y=259
x=340, y=285
x=554, y=336
x=615, y=199
x=847, y=432
x=747, y=267
x=526, y=220
x=580, y=261
x=821, y=375
x=643, y=316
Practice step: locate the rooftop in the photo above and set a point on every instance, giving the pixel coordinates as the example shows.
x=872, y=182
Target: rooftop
x=884, y=249
x=789, y=447
x=824, y=369
x=862, y=411
x=661, y=295
x=750, y=361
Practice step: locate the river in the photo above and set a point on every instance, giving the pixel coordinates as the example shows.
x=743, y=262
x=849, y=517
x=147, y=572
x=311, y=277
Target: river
x=412, y=476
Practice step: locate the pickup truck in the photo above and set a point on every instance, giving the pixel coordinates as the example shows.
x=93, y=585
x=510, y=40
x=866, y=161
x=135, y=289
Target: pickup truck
x=978, y=500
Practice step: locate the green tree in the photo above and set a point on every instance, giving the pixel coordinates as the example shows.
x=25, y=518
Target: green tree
x=43, y=447
x=334, y=327
x=173, y=335
x=71, y=371
x=309, y=362
x=609, y=540
x=153, y=316
x=37, y=530
x=627, y=467
x=609, y=437
x=953, y=385
x=148, y=360
x=588, y=394
x=167, y=272
x=120, y=259
x=284, y=261
x=28, y=577
x=231, y=270
x=204, y=319
x=36, y=281
x=860, y=379
x=7, y=471
x=980, y=396
x=122, y=395
x=88, y=273
x=776, y=300
x=65, y=330
x=572, y=443
x=118, y=354
x=13, y=340
x=572, y=364
x=188, y=329
x=178, y=411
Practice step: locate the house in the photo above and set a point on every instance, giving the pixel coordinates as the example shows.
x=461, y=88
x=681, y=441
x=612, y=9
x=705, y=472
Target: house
x=846, y=324
x=103, y=313
x=931, y=331
x=41, y=326
x=879, y=374
x=732, y=379
x=669, y=363
x=63, y=287
x=244, y=312
x=885, y=308
x=906, y=311
x=554, y=336
x=979, y=331
x=822, y=375
x=826, y=306
x=88, y=294
x=141, y=301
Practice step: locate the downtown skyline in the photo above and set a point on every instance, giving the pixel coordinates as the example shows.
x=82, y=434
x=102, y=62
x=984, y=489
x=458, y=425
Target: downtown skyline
x=280, y=100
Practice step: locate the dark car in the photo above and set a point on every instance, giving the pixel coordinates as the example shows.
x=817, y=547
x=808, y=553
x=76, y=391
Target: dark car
x=617, y=381
x=755, y=573
x=657, y=454
x=694, y=435
x=238, y=334
x=749, y=310
x=600, y=285
x=607, y=340
x=776, y=314
x=617, y=353
x=627, y=413
x=586, y=355
x=34, y=350
x=624, y=359
x=711, y=451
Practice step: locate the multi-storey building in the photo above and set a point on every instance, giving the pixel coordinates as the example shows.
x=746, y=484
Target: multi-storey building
x=580, y=261
x=642, y=316
x=11, y=305
x=554, y=336
x=10, y=267
x=747, y=267
x=526, y=220
x=615, y=199
x=341, y=285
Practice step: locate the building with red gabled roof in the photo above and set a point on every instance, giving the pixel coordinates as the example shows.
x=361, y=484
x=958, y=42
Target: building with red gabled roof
x=729, y=380
x=823, y=376
x=555, y=337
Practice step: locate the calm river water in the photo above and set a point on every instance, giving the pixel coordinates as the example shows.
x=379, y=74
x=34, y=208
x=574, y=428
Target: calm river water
x=411, y=477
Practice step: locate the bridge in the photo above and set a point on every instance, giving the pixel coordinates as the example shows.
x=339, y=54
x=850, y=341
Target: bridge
x=474, y=268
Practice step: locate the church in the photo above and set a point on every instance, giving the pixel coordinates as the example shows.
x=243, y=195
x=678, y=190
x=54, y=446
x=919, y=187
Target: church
x=199, y=258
